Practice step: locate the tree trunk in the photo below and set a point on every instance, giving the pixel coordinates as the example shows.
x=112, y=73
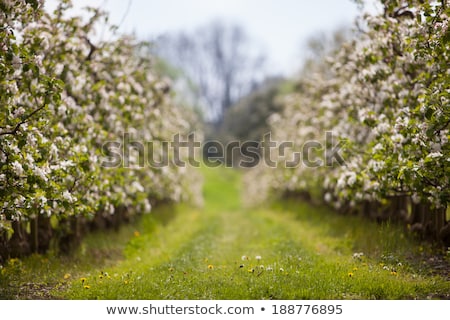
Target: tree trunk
x=397, y=209
x=34, y=238
x=45, y=233
x=4, y=247
x=19, y=242
x=416, y=213
x=70, y=229
x=438, y=221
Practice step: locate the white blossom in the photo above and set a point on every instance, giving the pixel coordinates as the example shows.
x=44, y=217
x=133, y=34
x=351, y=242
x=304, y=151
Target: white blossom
x=17, y=167
x=434, y=155
x=40, y=173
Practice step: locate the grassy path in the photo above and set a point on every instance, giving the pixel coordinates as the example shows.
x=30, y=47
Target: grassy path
x=226, y=251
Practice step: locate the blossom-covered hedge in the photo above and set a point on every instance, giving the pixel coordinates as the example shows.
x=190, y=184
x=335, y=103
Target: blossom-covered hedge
x=385, y=95
x=64, y=93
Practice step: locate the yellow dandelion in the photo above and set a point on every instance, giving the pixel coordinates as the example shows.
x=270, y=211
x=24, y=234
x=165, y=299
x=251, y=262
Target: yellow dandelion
x=394, y=273
x=126, y=282
x=210, y=266
x=251, y=270
x=67, y=276
x=87, y=287
x=355, y=269
x=136, y=233
x=350, y=274
x=100, y=276
x=83, y=280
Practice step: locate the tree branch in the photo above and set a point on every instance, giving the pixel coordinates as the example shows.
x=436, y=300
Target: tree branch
x=17, y=127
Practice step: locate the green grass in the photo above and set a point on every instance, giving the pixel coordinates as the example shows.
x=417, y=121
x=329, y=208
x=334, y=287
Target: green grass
x=183, y=252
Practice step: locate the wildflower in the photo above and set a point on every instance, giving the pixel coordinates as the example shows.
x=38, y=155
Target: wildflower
x=210, y=267
x=136, y=233
x=350, y=274
x=261, y=266
x=251, y=270
x=100, y=276
x=244, y=258
x=67, y=276
x=241, y=266
x=87, y=287
x=358, y=255
x=83, y=280
x=171, y=269
x=258, y=258
x=125, y=282
x=394, y=273
x=355, y=269
x=206, y=260
x=269, y=269
x=385, y=268
x=281, y=270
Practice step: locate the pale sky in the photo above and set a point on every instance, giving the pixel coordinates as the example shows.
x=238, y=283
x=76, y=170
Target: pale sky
x=281, y=27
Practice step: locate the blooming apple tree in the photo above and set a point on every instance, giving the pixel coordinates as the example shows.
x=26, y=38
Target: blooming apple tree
x=64, y=94
x=385, y=95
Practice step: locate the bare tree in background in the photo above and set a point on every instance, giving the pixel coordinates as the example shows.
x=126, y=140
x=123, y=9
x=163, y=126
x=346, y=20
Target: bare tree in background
x=220, y=61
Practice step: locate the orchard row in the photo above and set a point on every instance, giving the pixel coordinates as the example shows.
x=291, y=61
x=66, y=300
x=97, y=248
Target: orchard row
x=385, y=96
x=64, y=92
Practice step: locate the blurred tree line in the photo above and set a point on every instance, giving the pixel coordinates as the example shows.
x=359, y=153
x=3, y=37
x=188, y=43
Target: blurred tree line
x=222, y=73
